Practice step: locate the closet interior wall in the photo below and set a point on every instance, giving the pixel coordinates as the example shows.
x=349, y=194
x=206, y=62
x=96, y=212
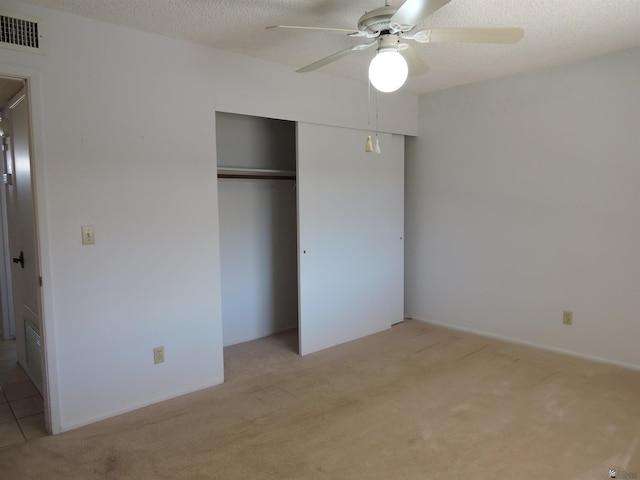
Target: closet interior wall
x=258, y=226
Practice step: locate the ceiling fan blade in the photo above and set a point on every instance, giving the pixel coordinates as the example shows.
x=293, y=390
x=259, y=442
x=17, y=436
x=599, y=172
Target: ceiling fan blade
x=335, y=56
x=320, y=29
x=469, y=35
x=417, y=66
x=413, y=12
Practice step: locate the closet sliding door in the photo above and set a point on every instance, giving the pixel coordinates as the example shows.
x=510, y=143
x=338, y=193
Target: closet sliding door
x=350, y=235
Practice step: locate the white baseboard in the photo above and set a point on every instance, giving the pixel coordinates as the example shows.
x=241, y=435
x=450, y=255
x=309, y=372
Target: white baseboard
x=529, y=344
x=115, y=413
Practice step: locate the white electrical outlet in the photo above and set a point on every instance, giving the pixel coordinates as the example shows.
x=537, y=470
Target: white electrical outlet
x=158, y=355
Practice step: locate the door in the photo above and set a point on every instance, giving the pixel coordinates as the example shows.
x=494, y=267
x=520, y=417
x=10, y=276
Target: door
x=350, y=235
x=25, y=277
x=6, y=297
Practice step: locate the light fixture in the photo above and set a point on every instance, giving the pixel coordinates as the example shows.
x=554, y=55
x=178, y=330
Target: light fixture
x=388, y=70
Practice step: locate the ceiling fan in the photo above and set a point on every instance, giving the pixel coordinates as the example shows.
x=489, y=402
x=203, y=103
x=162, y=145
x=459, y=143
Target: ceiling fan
x=387, y=26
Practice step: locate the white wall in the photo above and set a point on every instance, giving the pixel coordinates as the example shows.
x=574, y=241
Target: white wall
x=124, y=139
x=259, y=255
x=523, y=200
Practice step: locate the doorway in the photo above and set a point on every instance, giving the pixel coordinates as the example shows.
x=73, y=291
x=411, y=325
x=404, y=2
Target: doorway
x=256, y=159
x=22, y=379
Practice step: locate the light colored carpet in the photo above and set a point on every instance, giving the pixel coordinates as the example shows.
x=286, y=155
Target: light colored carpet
x=414, y=402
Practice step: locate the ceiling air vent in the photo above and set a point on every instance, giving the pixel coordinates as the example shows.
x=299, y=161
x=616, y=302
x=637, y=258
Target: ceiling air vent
x=19, y=33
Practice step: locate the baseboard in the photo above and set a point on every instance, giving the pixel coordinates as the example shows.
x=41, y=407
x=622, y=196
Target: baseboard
x=548, y=348
x=115, y=413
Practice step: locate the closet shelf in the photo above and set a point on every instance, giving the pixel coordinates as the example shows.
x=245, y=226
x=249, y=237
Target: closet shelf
x=256, y=173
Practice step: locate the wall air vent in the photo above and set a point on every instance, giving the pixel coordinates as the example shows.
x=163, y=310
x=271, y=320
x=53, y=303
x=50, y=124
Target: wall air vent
x=19, y=33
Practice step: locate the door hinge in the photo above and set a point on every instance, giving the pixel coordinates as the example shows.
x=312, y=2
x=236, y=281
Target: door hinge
x=40, y=280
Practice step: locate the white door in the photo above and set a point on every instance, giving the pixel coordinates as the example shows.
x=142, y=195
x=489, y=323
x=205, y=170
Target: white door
x=350, y=235
x=25, y=277
x=6, y=298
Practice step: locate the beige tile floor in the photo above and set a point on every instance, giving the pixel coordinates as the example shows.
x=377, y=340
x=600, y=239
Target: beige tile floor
x=21, y=406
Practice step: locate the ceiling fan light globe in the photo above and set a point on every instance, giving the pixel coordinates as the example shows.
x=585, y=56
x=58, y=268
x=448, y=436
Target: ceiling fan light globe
x=388, y=71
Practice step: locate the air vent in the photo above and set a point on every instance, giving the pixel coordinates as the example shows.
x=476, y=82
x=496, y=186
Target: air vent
x=34, y=352
x=19, y=33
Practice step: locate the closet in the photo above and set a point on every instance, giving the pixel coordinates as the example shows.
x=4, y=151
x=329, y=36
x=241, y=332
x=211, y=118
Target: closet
x=311, y=231
x=258, y=226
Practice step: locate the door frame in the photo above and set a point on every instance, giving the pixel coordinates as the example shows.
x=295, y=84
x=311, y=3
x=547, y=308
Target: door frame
x=33, y=89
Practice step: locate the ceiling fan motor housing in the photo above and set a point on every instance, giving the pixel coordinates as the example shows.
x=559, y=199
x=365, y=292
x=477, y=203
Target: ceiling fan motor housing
x=377, y=20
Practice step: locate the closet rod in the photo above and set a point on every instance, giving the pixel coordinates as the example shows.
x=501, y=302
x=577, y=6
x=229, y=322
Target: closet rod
x=256, y=177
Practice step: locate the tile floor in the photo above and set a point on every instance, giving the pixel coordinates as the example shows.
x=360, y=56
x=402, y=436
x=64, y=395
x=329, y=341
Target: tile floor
x=21, y=406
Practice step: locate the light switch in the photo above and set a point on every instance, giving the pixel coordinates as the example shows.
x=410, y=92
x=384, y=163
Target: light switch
x=88, y=235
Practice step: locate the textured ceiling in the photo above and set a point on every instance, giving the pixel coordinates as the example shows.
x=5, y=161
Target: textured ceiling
x=556, y=31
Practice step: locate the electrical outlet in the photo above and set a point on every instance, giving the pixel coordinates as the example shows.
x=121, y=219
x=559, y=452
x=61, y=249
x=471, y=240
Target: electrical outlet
x=567, y=317
x=158, y=355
